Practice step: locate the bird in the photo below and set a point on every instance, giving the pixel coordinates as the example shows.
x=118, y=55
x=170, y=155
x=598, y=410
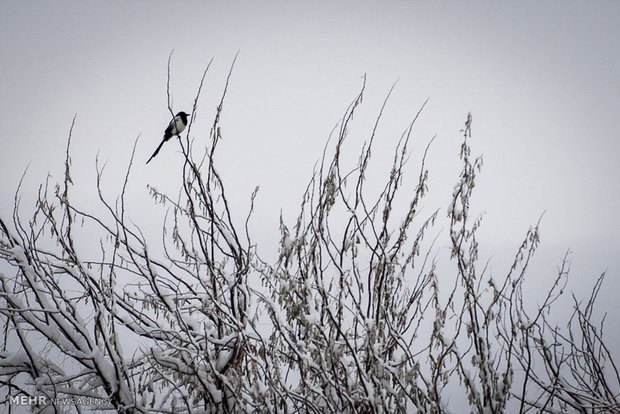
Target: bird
x=175, y=127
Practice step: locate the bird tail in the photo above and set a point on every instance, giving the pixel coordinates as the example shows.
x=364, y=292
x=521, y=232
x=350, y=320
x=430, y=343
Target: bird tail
x=156, y=151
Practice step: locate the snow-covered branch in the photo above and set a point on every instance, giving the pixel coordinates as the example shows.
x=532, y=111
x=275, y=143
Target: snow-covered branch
x=359, y=313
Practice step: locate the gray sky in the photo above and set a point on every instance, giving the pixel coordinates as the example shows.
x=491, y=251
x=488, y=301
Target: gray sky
x=540, y=78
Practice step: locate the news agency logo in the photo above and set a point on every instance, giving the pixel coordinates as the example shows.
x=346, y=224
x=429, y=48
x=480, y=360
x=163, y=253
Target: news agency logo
x=28, y=400
x=42, y=400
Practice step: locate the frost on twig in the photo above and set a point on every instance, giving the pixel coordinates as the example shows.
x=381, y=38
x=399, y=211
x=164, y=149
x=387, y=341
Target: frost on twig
x=359, y=312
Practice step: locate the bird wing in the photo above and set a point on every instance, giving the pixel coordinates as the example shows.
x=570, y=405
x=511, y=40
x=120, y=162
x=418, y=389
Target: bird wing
x=171, y=130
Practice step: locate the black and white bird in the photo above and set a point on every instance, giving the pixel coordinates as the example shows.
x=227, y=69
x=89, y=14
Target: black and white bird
x=175, y=127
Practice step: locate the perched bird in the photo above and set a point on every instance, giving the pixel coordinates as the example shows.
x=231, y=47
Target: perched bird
x=175, y=127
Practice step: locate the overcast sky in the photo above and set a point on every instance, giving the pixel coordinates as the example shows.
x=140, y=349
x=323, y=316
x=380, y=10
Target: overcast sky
x=540, y=78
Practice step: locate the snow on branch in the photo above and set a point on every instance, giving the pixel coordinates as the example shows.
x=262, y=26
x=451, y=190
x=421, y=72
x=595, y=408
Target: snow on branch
x=359, y=313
